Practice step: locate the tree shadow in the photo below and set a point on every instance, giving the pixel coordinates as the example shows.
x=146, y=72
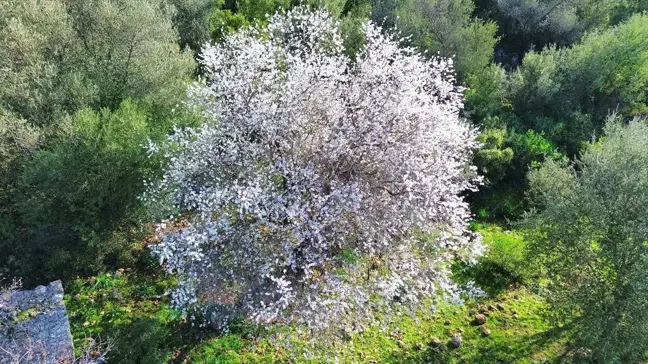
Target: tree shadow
x=496, y=350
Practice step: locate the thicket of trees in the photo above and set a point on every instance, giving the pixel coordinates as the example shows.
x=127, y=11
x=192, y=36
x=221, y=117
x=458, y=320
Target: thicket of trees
x=86, y=86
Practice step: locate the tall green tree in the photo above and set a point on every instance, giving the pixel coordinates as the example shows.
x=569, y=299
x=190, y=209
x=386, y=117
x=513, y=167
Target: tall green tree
x=64, y=192
x=59, y=56
x=591, y=234
x=448, y=28
x=38, y=56
x=129, y=49
x=191, y=19
x=534, y=24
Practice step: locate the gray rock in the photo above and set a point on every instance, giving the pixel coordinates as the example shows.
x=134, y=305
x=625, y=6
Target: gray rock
x=582, y=354
x=36, y=321
x=116, y=295
x=435, y=342
x=485, y=331
x=479, y=319
x=455, y=342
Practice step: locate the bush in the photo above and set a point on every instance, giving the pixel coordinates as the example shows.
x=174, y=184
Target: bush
x=191, y=19
x=540, y=22
x=504, y=262
x=223, y=22
x=505, y=160
x=568, y=93
x=129, y=308
x=486, y=95
x=77, y=197
x=232, y=16
x=144, y=341
x=18, y=140
x=448, y=28
x=494, y=158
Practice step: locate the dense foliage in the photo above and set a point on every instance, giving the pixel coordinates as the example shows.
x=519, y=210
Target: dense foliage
x=59, y=56
x=591, y=235
x=73, y=163
x=87, y=86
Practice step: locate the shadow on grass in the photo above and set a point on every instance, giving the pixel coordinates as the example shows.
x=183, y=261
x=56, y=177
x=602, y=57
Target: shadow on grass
x=548, y=345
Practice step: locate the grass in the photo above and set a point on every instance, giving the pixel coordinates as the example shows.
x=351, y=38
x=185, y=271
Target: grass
x=132, y=308
x=129, y=307
x=519, y=334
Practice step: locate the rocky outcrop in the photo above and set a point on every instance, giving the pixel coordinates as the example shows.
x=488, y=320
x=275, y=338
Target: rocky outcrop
x=34, y=326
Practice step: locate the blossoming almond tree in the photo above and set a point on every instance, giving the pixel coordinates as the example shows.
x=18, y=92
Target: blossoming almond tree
x=306, y=190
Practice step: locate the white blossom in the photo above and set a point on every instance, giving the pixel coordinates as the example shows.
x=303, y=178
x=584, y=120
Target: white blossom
x=310, y=186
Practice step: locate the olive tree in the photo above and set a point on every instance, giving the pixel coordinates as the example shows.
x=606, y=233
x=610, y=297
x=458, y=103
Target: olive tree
x=303, y=199
x=591, y=234
x=39, y=80
x=129, y=49
x=448, y=27
x=191, y=19
x=58, y=56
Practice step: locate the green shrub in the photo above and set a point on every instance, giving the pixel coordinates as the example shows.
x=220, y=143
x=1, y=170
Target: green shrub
x=568, y=92
x=351, y=28
x=447, y=27
x=541, y=22
x=131, y=309
x=486, y=94
x=494, y=157
x=505, y=160
x=224, y=21
x=77, y=198
x=231, y=16
x=144, y=341
x=191, y=19
x=18, y=140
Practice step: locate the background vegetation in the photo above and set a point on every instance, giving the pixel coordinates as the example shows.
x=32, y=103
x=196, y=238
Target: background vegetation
x=84, y=86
